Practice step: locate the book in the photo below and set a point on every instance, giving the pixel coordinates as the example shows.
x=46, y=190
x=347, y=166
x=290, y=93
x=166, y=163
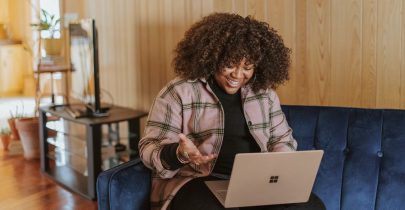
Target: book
x=53, y=60
x=15, y=148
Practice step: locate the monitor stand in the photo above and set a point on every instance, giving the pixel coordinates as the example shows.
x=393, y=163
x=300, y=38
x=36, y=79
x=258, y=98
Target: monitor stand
x=86, y=112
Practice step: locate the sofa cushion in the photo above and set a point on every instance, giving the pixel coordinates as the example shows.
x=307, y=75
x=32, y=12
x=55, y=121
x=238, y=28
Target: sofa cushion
x=361, y=167
x=391, y=180
x=125, y=187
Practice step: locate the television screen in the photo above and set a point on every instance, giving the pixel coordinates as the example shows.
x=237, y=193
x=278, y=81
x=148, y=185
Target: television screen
x=82, y=60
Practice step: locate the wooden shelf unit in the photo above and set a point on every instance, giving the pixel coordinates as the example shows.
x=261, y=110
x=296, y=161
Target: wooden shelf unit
x=74, y=160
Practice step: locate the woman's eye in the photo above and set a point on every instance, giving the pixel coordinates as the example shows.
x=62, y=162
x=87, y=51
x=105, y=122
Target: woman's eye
x=248, y=69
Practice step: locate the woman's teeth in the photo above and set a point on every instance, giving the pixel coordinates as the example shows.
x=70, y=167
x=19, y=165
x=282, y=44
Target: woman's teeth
x=232, y=82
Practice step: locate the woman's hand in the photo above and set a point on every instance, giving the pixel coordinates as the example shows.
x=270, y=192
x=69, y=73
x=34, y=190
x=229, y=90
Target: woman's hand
x=194, y=155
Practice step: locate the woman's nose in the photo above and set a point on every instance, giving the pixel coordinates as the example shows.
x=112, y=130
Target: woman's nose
x=237, y=73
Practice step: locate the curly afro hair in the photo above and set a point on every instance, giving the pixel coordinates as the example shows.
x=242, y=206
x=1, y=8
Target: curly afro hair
x=220, y=40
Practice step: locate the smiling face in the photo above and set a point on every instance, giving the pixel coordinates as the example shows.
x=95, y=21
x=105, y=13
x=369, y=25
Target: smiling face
x=232, y=78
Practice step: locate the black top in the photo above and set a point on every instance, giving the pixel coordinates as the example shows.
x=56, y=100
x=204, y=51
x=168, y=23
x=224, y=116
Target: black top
x=237, y=138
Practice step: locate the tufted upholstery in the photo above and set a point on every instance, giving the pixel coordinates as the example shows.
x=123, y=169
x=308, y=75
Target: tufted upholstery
x=363, y=166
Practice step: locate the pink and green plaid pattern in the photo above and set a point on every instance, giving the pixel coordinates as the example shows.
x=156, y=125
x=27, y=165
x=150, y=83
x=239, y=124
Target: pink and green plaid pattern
x=192, y=108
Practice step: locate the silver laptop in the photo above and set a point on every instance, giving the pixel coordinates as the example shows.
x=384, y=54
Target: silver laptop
x=268, y=179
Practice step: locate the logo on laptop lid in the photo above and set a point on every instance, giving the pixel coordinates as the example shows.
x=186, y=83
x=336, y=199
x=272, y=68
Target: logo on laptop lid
x=273, y=179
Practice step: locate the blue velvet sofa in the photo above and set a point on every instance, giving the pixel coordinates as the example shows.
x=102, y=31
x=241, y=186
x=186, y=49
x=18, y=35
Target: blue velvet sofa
x=363, y=166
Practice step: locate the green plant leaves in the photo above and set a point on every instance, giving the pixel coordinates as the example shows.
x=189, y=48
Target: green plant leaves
x=45, y=25
x=5, y=131
x=44, y=13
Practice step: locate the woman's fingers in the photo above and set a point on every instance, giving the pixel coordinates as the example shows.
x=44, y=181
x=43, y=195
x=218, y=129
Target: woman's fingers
x=204, y=159
x=194, y=155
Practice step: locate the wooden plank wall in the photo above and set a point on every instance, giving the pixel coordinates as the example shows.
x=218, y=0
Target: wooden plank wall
x=20, y=29
x=344, y=53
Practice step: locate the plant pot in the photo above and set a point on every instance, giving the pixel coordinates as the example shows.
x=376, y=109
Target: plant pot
x=28, y=129
x=5, y=139
x=13, y=128
x=52, y=46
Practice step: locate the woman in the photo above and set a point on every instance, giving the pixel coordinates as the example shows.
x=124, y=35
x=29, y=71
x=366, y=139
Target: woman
x=222, y=103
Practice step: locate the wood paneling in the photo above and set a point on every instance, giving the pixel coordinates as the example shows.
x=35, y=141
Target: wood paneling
x=132, y=55
x=240, y=7
x=280, y=16
x=402, y=106
x=389, y=54
x=168, y=39
x=19, y=12
x=345, y=36
x=123, y=47
x=257, y=9
x=369, y=54
x=223, y=5
x=344, y=53
x=208, y=6
x=154, y=46
x=301, y=53
x=319, y=89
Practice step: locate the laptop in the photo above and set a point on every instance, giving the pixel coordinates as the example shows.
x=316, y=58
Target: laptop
x=268, y=179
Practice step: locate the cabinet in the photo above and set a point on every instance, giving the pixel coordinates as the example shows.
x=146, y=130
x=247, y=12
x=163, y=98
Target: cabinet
x=4, y=15
x=11, y=74
x=72, y=148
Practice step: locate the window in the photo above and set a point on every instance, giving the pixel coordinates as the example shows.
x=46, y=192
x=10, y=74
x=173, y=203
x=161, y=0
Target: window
x=51, y=7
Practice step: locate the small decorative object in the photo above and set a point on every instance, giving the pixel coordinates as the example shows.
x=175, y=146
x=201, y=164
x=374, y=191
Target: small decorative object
x=120, y=147
x=15, y=148
x=5, y=135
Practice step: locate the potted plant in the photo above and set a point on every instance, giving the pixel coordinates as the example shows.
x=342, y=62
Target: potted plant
x=28, y=128
x=11, y=122
x=26, y=132
x=52, y=46
x=5, y=135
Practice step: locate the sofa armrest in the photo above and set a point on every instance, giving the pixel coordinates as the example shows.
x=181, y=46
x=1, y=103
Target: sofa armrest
x=126, y=186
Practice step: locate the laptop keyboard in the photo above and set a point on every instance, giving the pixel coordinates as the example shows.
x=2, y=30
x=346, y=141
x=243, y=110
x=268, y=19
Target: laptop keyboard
x=222, y=193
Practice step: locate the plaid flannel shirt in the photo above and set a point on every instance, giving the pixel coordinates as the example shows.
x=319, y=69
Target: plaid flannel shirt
x=190, y=107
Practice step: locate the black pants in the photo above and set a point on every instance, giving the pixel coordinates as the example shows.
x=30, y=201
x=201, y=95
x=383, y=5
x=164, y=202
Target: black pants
x=197, y=196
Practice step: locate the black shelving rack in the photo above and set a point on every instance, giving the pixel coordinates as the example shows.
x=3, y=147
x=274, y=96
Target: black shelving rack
x=74, y=159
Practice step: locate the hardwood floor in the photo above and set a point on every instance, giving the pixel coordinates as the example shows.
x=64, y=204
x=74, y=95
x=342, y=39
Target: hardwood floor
x=23, y=186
